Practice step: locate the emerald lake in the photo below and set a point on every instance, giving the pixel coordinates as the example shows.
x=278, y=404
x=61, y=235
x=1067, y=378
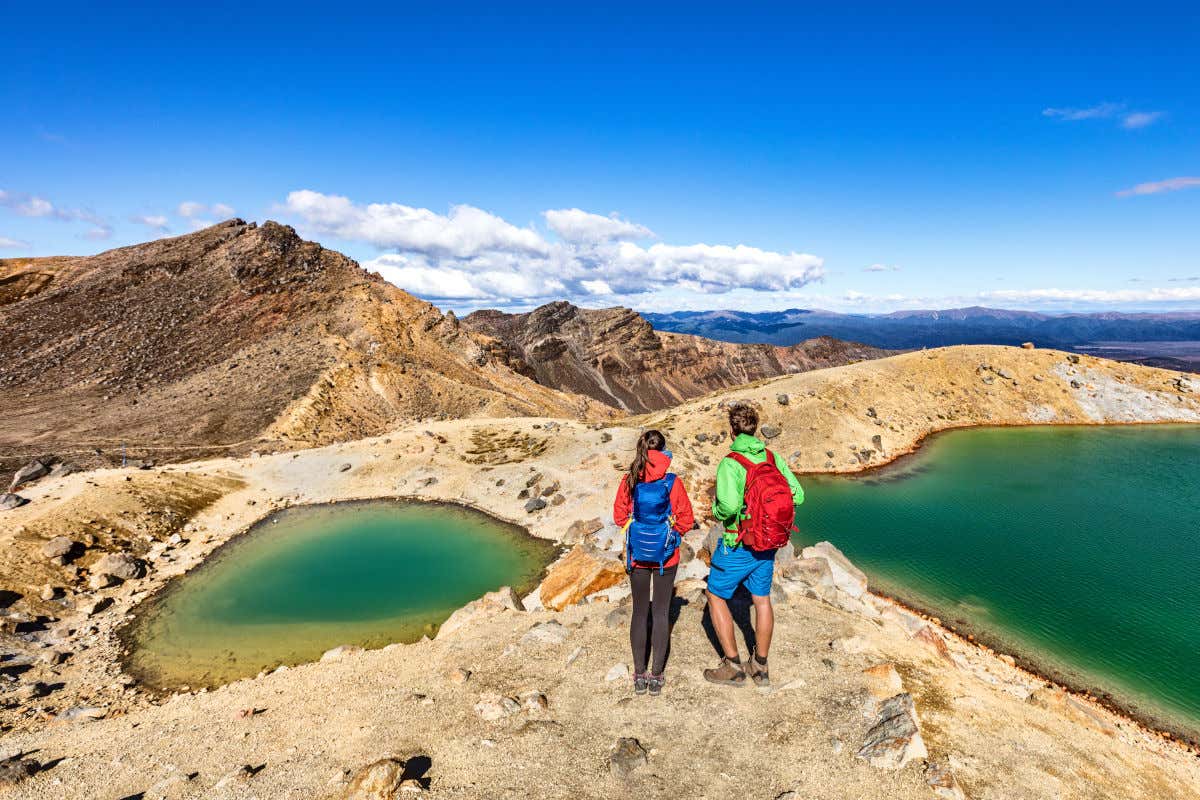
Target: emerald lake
x=309, y=578
x=1076, y=547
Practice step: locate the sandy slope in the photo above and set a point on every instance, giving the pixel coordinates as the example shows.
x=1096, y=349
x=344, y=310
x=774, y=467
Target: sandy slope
x=341, y=715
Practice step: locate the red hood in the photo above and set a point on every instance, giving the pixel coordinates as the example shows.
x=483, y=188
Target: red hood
x=657, y=464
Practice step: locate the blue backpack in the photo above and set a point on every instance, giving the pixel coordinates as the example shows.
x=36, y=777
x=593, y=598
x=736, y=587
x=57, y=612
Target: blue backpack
x=649, y=537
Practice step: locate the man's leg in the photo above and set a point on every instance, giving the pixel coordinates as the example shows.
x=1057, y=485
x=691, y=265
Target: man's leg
x=764, y=625
x=722, y=622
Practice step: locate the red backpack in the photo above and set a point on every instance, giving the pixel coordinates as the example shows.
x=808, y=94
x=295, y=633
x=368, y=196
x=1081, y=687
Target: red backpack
x=770, y=511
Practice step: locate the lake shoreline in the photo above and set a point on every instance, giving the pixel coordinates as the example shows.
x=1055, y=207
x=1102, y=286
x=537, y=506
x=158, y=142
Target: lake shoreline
x=901, y=466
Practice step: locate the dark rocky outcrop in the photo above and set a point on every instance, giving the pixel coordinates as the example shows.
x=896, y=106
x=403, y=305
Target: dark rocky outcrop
x=615, y=356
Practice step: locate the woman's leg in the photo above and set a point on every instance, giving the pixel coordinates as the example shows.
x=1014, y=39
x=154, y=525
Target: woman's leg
x=664, y=591
x=640, y=581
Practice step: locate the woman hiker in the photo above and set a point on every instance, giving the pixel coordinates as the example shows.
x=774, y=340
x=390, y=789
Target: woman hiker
x=654, y=508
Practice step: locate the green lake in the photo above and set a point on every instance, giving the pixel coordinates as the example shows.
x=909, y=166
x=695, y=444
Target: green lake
x=310, y=578
x=1078, y=548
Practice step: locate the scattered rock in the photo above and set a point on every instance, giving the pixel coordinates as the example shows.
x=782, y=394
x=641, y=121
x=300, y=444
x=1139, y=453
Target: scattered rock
x=550, y=632
x=9, y=501
x=1071, y=357
x=1057, y=700
x=101, y=580
x=535, y=478
x=583, y=571
x=617, y=672
x=782, y=399
x=616, y=618
x=894, y=739
x=534, y=701
x=58, y=547
x=883, y=681
x=30, y=472
x=344, y=468
x=458, y=676
x=16, y=769
x=846, y=577
x=871, y=412
x=941, y=780
x=340, y=652
x=628, y=755
x=605, y=436
x=48, y=593
x=1027, y=345
x=769, y=432
x=576, y=654
x=580, y=528
x=493, y=707
x=551, y=489
x=118, y=565
x=83, y=714
x=534, y=504
x=934, y=641
x=558, y=499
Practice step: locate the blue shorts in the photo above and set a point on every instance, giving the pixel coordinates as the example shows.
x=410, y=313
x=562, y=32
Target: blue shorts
x=731, y=566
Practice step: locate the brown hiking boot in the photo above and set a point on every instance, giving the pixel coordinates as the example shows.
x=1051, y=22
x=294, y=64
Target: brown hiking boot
x=728, y=674
x=757, y=672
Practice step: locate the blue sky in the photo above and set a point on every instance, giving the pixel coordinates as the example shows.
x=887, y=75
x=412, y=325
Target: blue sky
x=681, y=157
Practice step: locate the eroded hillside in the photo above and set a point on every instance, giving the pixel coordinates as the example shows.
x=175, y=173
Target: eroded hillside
x=233, y=337
x=614, y=355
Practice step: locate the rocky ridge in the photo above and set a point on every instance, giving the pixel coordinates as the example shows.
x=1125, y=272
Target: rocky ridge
x=615, y=356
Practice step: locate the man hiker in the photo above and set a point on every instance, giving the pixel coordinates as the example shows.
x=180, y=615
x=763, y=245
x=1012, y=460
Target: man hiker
x=756, y=498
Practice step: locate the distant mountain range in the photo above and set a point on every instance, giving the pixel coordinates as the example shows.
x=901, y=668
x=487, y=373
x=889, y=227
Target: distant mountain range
x=1133, y=337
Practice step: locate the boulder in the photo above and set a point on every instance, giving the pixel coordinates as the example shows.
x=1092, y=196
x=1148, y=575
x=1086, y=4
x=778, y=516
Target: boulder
x=62, y=469
x=883, y=681
x=340, y=652
x=16, y=769
x=627, y=755
x=493, y=707
x=782, y=399
x=846, y=577
x=379, y=780
x=119, y=565
x=941, y=780
x=58, y=547
x=770, y=432
x=534, y=504
x=583, y=571
x=894, y=739
x=30, y=472
x=580, y=528
x=551, y=632
x=503, y=599
x=9, y=501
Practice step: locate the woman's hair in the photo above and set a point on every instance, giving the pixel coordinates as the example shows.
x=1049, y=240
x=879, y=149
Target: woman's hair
x=649, y=440
x=743, y=419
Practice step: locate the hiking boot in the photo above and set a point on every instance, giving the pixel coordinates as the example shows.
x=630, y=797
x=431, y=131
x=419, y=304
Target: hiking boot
x=641, y=682
x=655, y=683
x=757, y=672
x=728, y=674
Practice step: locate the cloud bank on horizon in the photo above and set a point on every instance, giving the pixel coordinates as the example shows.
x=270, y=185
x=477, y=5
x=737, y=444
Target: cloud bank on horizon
x=471, y=255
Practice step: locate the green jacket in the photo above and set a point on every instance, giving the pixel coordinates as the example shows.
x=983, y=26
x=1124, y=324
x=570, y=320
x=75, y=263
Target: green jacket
x=731, y=482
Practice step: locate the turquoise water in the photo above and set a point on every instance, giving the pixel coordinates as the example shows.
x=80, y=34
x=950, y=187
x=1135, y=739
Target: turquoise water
x=1078, y=547
x=310, y=578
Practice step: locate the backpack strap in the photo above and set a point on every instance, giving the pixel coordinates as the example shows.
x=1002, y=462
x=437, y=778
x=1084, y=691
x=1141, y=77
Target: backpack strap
x=746, y=463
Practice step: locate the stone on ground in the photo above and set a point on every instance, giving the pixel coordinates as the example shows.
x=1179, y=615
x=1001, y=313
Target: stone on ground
x=941, y=780
x=883, y=681
x=628, y=755
x=551, y=632
x=340, y=652
x=583, y=571
x=894, y=739
x=9, y=501
x=57, y=547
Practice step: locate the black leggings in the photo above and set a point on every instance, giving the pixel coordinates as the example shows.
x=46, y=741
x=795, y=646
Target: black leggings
x=660, y=634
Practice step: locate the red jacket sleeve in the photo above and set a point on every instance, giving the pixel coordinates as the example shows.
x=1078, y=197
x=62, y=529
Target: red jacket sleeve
x=681, y=507
x=623, y=504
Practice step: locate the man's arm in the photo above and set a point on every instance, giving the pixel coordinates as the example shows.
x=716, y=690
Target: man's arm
x=731, y=488
x=797, y=489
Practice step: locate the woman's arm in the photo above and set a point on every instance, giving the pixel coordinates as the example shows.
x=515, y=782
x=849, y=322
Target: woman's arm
x=622, y=505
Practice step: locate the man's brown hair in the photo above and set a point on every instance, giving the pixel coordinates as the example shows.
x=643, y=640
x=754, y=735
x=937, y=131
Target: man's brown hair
x=743, y=419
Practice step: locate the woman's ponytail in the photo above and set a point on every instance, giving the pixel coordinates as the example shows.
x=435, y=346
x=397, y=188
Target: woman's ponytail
x=649, y=440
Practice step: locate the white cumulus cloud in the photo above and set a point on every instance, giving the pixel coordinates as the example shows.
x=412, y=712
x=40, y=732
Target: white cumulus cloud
x=12, y=244
x=576, y=225
x=27, y=205
x=882, y=268
x=156, y=222
x=190, y=209
x=472, y=254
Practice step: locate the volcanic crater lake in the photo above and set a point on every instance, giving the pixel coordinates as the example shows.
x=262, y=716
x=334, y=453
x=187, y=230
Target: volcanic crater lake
x=309, y=578
x=1078, y=548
